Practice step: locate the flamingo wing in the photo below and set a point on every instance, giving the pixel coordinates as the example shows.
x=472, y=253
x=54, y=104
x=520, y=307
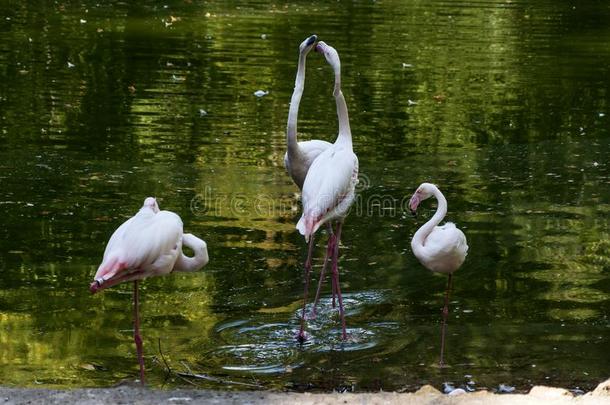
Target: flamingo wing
x=298, y=167
x=329, y=188
x=147, y=244
x=446, y=248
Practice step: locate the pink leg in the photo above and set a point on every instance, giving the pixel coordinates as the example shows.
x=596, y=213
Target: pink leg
x=336, y=278
x=444, y=327
x=329, y=252
x=301, y=335
x=136, y=330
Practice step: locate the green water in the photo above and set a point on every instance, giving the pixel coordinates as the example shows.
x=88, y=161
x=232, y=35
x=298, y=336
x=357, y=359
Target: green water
x=503, y=104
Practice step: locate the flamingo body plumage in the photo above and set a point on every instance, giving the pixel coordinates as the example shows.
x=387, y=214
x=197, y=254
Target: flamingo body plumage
x=329, y=188
x=440, y=249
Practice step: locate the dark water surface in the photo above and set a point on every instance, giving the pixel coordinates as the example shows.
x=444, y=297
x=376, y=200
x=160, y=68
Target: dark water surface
x=504, y=104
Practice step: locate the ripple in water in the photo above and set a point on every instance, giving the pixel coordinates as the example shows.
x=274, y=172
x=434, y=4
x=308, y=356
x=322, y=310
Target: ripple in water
x=264, y=344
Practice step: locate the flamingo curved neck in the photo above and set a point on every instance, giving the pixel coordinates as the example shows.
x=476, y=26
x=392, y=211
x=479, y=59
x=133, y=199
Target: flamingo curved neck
x=422, y=233
x=200, y=259
x=345, y=132
x=293, y=112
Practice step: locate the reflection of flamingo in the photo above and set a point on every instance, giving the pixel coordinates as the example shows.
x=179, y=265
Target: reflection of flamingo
x=147, y=244
x=329, y=187
x=441, y=249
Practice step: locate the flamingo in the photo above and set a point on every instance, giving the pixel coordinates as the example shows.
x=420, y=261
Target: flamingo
x=300, y=155
x=147, y=244
x=329, y=189
x=441, y=249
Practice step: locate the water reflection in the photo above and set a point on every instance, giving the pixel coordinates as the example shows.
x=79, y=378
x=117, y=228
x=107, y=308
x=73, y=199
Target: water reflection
x=503, y=105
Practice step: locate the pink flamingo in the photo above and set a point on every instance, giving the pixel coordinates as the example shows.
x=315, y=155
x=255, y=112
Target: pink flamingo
x=147, y=244
x=441, y=249
x=329, y=189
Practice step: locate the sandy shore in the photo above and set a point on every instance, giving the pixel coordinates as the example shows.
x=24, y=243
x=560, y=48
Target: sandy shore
x=425, y=395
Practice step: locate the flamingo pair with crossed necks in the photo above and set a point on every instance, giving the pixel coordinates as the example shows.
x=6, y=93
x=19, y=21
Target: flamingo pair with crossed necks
x=327, y=175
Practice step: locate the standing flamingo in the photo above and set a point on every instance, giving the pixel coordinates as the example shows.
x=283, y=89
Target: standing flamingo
x=147, y=244
x=441, y=249
x=329, y=188
x=300, y=155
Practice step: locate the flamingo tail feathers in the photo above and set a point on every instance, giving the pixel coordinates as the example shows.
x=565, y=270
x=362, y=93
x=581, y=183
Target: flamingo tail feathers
x=108, y=269
x=308, y=225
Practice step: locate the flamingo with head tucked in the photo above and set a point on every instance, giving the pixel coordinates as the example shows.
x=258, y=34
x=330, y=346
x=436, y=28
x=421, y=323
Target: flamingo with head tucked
x=147, y=244
x=329, y=188
x=441, y=249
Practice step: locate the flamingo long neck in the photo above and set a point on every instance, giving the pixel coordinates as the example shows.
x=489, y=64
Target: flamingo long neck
x=200, y=259
x=293, y=112
x=345, y=133
x=422, y=233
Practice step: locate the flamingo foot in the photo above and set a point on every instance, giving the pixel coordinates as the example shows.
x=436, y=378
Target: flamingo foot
x=301, y=337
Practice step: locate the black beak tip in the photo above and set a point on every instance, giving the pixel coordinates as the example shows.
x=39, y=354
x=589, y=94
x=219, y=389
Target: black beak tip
x=413, y=213
x=311, y=40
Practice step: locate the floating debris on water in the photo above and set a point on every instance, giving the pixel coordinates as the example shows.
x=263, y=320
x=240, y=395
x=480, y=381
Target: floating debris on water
x=260, y=93
x=505, y=389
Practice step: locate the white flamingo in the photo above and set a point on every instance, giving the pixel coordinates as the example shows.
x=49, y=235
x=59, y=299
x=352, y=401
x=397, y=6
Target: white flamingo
x=300, y=155
x=441, y=249
x=329, y=188
x=147, y=244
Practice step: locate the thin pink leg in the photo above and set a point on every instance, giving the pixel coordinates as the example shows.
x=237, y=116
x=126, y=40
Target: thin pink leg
x=136, y=330
x=333, y=281
x=336, y=277
x=328, y=255
x=444, y=327
x=301, y=335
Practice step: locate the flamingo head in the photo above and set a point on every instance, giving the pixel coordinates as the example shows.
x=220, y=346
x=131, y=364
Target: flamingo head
x=151, y=203
x=331, y=55
x=308, y=44
x=423, y=192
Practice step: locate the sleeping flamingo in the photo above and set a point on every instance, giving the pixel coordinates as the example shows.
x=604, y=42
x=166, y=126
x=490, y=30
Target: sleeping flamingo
x=147, y=244
x=329, y=188
x=441, y=249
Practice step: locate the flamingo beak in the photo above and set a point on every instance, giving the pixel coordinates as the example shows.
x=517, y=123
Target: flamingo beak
x=95, y=286
x=311, y=40
x=413, y=203
x=320, y=47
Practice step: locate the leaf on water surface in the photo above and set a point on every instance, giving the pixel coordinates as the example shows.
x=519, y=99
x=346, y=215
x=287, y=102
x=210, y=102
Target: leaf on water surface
x=89, y=367
x=92, y=367
x=505, y=389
